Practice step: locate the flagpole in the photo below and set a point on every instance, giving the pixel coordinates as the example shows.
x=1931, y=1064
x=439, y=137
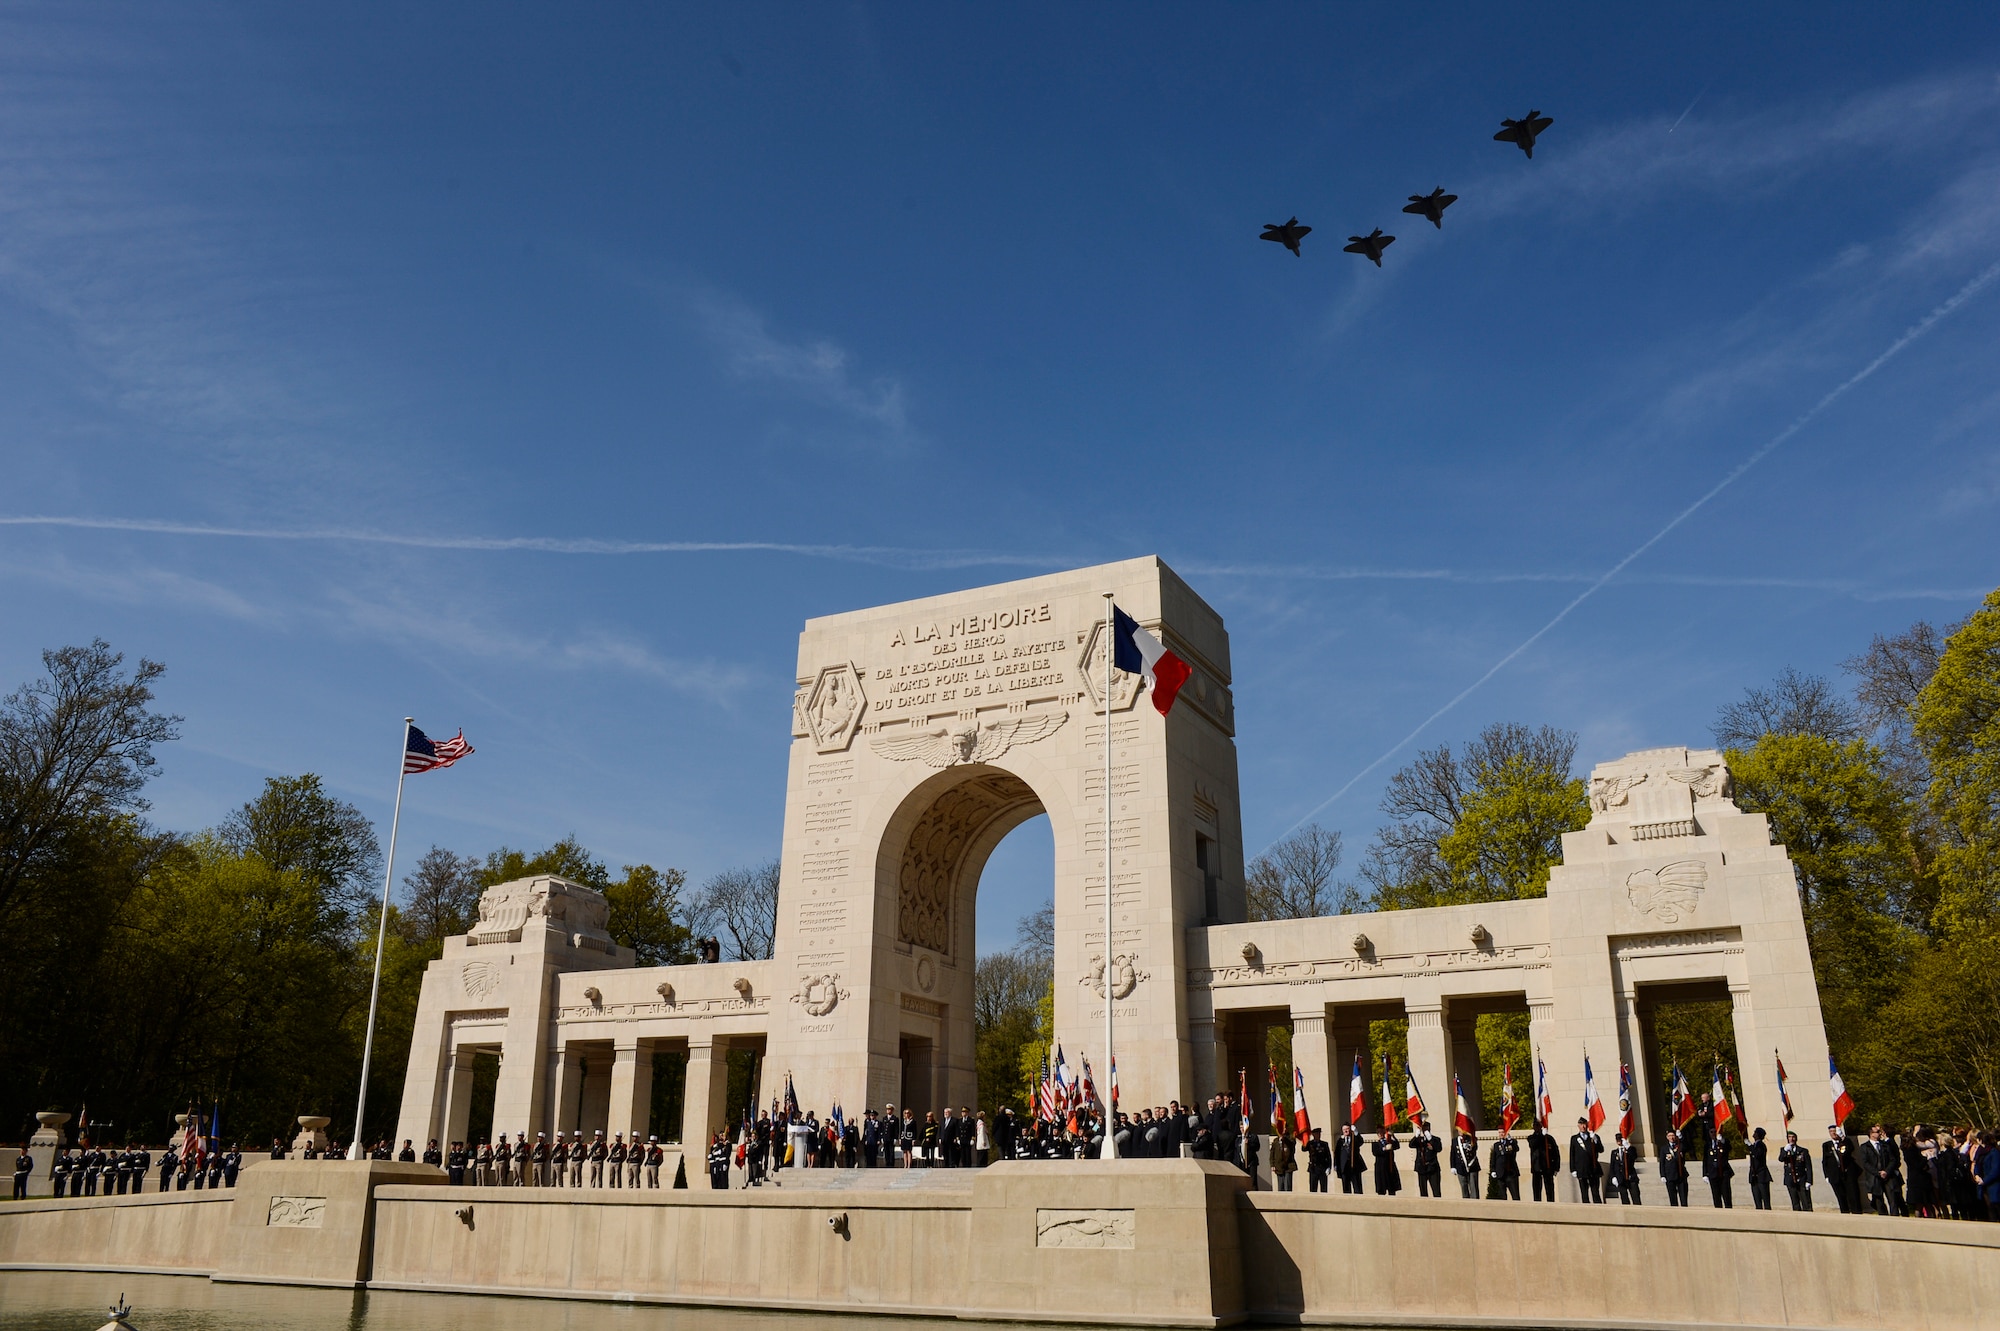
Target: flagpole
x=1110, y=1151
x=381, y=935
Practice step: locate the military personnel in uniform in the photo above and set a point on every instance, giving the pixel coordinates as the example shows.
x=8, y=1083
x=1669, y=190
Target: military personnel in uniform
x=541, y=1160
x=599, y=1153
x=503, y=1160
x=1715, y=1167
x=1795, y=1163
x=168, y=1163
x=486, y=1175
x=24, y=1169
x=614, y=1161
x=454, y=1165
x=1428, y=1150
x=1836, y=1161
x=1760, y=1172
x=1504, y=1166
x=93, y=1168
x=718, y=1163
x=232, y=1162
x=432, y=1155
x=578, y=1153
x=1625, y=1172
x=1465, y=1164
x=1319, y=1162
x=1674, y=1171
x=408, y=1155
x=656, y=1156
x=635, y=1161
x=1544, y=1160
x=1585, y=1148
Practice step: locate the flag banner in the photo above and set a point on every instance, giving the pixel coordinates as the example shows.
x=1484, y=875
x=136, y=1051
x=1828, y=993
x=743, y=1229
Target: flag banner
x=1114, y=1084
x=1680, y=1098
x=1413, y=1100
x=1843, y=1103
x=1357, y=1095
x=1243, y=1104
x=1277, y=1109
x=791, y=1097
x=1593, y=1108
x=1045, y=1093
x=1625, y=1101
x=1719, y=1107
x=421, y=753
x=1389, y=1119
x=1736, y=1101
x=1087, y=1092
x=1784, y=1095
x=1510, y=1112
x=1545, y=1104
x=1138, y=652
x=1301, y=1123
x=1461, y=1117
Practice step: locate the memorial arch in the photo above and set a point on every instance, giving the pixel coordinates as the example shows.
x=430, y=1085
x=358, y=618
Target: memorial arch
x=923, y=732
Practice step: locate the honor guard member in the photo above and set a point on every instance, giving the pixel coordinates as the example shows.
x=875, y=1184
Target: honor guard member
x=1674, y=1171
x=1715, y=1167
x=1465, y=1164
x=600, y=1151
x=1319, y=1162
x=635, y=1161
x=408, y=1155
x=215, y=1169
x=1836, y=1160
x=1428, y=1151
x=572, y=1155
x=1348, y=1161
x=614, y=1161
x=1624, y=1174
x=559, y=1161
x=1504, y=1166
x=1585, y=1147
x=1544, y=1162
x=59, y=1172
x=541, y=1160
x=454, y=1165
x=232, y=1161
x=167, y=1166
x=1388, y=1179
x=434, y=1156
x=503, y=1160
x=24, y=1169
x=1795, y=1161
x=718, y=1163
x=482, y=1173
x=93, y=1169
x=655, y=1157
x=1760, y=1172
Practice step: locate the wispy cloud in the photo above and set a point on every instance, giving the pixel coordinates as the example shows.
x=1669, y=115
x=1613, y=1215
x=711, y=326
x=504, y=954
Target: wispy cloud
x=815, y=370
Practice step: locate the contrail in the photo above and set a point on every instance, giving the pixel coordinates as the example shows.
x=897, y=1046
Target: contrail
x=1697, y=97
x=865, y=554
x=1911, y=334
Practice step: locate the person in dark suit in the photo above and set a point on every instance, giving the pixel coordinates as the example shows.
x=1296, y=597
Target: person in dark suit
x=1586, y=1150
x=1760, y=1172
x=1319, y=1162
x=1348, y=1160
x=948, y=1140
x=1881, y=1171
x=1544, y=1161
x=1842, y=1171
x=24, y=1169
x=1718, y=1171
x=1388, y=1178
x=1427, y=1149
x=1624, y=1173
x=1795, y=1164
x=1674, y=1171
x=1465, y=1164
x=1504, y=1166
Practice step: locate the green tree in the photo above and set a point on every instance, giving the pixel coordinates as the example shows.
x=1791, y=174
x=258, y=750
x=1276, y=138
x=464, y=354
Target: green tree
x=294, y=826
x=1956, y=719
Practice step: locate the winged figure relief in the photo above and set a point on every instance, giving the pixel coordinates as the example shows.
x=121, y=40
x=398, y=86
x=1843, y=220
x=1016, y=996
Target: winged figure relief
x=1668, y=892
x=968, y=742
x=1608, y=792
x=1705, y=782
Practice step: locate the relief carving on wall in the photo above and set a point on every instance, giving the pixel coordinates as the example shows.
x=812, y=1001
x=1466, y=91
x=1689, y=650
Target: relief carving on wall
x=479, y=978
x=1704, y=782
x=1669, y=892
x=1612, y=792
x=1125, y=975
x=970, y=741
x=1084, y=1229
x=1124, y=687
x=296, y=1213
x=505, y=909
x=819, y=994
x=934, y=859
x=833, y=707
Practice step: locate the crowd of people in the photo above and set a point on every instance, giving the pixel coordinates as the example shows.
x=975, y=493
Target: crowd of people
x=90, y=1171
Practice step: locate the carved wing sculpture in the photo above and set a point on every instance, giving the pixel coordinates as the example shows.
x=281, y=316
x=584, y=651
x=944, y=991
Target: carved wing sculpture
x=1668, y=892
x=1705, y=782
x=945, y=746
x=1608, y=792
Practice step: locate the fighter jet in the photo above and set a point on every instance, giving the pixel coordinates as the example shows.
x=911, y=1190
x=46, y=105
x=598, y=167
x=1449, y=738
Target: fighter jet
x=1288, y=234
x=1371, y=245
x=1524, y=130
x=1431, y=205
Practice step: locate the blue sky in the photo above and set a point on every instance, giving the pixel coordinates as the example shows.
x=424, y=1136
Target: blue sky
x=909, y=299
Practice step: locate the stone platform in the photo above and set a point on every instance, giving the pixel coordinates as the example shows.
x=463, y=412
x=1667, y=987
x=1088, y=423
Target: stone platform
x=1132, y=1243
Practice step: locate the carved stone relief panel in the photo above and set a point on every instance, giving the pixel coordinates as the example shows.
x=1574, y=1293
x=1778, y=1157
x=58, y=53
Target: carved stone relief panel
x=1084, y=1229
x=1669, y=893
x=934, y=859
x=296, y=1213
x=833, y=708
x=1124, y=687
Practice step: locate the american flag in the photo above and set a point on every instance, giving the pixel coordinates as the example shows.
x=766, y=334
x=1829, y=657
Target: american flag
x=191, y=1138
x=421, y=753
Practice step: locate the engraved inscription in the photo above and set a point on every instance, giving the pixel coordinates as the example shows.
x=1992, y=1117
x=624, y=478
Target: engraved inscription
x=824, y=866
x=836, y=817
x=829, y=774
x=822, y=917
x=296, y=1213
x=1084, y=1229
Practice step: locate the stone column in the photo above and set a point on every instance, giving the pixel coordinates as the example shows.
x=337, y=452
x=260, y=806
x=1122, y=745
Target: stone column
x=1210, y=1053
x=1757, y=1073
x=1312, y=1055
x=458, y=1093
x=1465, y=1068
x=1430, y=1059
x=48, y=1139
x=1633, y=1031
x=703, y=1108
x=566, y=1075
x=631, y=1087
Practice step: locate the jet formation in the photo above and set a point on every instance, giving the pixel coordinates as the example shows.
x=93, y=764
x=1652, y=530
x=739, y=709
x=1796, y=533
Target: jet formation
x=1522, y=133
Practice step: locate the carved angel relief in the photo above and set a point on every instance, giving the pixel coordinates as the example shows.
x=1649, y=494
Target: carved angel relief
x=1669, y=892
x=972, y=742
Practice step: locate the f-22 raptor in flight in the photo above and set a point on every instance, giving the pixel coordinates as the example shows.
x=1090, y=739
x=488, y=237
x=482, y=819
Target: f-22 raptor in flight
x=1370, y=245
x=1524, y=131
x=1288, y=234
x=1431, y=205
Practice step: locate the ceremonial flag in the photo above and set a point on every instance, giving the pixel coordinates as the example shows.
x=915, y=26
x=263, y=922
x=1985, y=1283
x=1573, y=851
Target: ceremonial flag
x=791, y=1098
x=1721, y=1112
x=1088, y=1091
x=1736, y=1100
x=421, y=753
x=1300, y=1122
x=1064, y=1086
x=839, y=1121
x=1388, y=1097
x=1114, y=1085
x=1045, y=1096
x=1593, y=1108
x=1413, y=1102
x=1545, y=1104
x=215, y=1128
x=1625, y=1101
x=83, y=1124
x=1357, y=1095
x=1243, y=1103
x=1140, y=653
x=191, y=1138
x=1843, y=1103
x=1277, y=1108
x=1510, y=1113
x=1680, y=1099
x=1460, y=1117
x=1784, y=1096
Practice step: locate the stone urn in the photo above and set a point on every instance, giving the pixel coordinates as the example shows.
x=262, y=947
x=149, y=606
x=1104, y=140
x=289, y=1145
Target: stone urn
x=51, y=1133
x=312, y=1132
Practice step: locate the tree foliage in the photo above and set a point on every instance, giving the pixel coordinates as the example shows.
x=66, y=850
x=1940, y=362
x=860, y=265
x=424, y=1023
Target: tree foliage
x=740, y=905
x=1293, y=880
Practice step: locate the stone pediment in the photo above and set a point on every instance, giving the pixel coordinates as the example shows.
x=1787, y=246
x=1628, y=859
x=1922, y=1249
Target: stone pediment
x=1654, y=792
x=507, y=909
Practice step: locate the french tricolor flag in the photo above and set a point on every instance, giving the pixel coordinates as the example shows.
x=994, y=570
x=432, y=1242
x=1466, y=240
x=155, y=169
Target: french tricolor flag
x=1140, y=653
